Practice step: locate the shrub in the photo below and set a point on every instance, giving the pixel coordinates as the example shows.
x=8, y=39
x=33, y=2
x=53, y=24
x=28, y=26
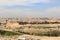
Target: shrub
x=50, y=33
x=3, y=32
x=53, y=33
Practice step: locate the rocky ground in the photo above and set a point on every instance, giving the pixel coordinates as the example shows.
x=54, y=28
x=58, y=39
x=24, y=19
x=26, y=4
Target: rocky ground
x=28, y=37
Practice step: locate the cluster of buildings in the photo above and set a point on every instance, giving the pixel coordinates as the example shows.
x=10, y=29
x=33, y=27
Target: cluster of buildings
x=4, y=21
x=12, y=23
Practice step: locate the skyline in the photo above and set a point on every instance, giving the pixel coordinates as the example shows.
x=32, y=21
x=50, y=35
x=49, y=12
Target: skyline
x=30, y=8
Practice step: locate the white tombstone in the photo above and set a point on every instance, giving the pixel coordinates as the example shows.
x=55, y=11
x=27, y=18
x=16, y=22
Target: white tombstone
x=23, y=38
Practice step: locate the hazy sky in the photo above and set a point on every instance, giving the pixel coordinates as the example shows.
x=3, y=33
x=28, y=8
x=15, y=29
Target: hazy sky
x=30, y=8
